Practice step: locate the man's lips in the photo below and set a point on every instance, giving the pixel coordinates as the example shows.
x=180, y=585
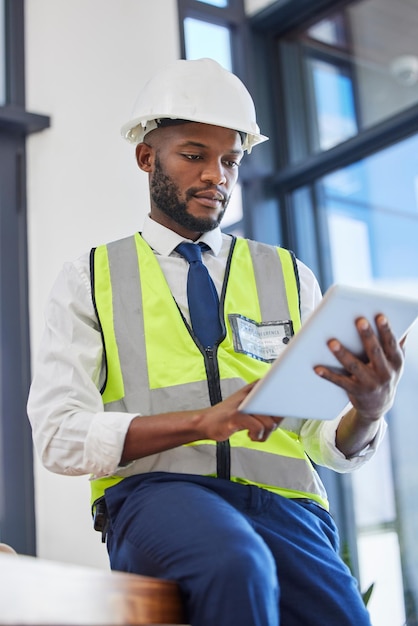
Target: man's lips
x=210, y=198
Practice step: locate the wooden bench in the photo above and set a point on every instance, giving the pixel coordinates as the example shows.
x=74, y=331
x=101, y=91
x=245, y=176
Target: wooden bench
x=38, y=592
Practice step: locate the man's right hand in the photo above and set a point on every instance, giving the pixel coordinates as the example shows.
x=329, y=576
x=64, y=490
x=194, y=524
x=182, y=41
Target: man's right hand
x=222, y=420
x=151, y=434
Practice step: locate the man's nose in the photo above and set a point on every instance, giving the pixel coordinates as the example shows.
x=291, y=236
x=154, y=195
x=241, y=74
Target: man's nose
x=214, y=173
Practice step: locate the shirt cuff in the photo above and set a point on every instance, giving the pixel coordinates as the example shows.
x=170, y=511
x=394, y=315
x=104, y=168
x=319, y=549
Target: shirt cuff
x=335, y=459
x=105, y=441
x=320, y=444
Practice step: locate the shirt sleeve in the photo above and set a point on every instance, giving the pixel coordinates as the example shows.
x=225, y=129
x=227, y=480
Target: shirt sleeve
x=319, y=437
x=72, y=433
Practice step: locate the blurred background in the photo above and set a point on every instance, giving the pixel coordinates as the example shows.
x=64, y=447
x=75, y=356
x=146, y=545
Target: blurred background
x=336, y=89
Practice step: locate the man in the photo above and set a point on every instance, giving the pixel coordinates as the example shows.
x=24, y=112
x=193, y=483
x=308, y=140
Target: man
x=126, y=388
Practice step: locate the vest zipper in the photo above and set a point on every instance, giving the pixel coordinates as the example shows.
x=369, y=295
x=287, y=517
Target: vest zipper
x=223, y=449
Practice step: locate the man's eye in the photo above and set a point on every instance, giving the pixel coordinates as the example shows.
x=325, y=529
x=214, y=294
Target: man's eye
x=232, y=164
x=192, y=157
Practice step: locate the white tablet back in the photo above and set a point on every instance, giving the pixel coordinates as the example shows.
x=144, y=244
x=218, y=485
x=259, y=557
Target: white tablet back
x=291, y=388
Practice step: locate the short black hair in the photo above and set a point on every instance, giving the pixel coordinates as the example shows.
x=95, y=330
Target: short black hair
x=168, y=121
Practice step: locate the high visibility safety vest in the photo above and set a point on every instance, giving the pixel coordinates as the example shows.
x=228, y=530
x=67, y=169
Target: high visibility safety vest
x=154, y=363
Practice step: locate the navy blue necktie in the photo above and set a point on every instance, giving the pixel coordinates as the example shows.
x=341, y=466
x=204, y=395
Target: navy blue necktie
x=202, y=296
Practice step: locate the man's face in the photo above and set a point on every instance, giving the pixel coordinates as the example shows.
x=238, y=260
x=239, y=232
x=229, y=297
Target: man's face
x=194, y=168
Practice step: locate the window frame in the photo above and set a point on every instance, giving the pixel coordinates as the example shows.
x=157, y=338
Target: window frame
x=231, y=17
x=274, y=23
x=17, y=501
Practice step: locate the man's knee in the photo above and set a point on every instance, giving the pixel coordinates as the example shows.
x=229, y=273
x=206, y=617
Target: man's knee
x=244, y=562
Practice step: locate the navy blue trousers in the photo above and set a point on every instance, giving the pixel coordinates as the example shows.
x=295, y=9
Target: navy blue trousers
x=243, y=556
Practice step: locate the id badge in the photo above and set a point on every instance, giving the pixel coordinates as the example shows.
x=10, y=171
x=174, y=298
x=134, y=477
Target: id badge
x=263, y=341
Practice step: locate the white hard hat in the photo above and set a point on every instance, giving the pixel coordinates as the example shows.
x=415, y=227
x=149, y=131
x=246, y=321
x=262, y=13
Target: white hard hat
x=196, y=91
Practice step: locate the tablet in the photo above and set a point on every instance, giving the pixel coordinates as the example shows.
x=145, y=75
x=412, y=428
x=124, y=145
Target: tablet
x=291, y=388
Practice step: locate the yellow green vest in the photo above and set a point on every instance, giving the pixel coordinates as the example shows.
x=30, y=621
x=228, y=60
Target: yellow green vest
x=155, y=365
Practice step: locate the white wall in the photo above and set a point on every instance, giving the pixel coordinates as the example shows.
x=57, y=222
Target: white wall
x=85, y=61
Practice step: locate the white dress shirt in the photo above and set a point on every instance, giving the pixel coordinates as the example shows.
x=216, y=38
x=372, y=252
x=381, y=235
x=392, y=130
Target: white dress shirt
x=72, y=433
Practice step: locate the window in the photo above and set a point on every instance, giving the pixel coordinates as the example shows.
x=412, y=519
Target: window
x=371, y=224
x=362, y=67
x=203, y=39
x=344, y=128
x=376, y=201
x=216, y=3
x=215, y=30
x=332, y=102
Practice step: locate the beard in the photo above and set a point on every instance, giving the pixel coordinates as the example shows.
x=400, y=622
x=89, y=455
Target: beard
x=166, y=196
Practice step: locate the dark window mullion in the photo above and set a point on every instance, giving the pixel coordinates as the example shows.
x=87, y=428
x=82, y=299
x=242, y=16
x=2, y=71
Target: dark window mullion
x=17, y=516
x=15, y=62
x=13, y=116
x=17, y=509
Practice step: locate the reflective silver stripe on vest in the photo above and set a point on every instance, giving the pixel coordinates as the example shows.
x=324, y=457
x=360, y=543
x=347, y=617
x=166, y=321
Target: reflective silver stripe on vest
x=124, y=273
x=268, y=271
x=285, y=472
x=184, y=397
x=273, y=302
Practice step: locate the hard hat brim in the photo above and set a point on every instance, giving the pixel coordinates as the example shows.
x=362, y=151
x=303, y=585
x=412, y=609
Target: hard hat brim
x=135, y=130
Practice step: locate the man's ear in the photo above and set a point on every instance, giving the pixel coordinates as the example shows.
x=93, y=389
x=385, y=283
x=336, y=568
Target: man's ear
x=144, y=156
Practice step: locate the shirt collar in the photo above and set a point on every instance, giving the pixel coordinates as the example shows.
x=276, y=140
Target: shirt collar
x=163, y=240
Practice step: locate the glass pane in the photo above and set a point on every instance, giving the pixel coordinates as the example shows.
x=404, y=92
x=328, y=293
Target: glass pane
x=380, y=566
x=375, y=67
x=2, y=55
x=330, y=31
x=377, y=200
x=204, y=39
x=375, y=508
x=233, y=214
x=216, y=3
x=334, y=103
x=368, y=219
